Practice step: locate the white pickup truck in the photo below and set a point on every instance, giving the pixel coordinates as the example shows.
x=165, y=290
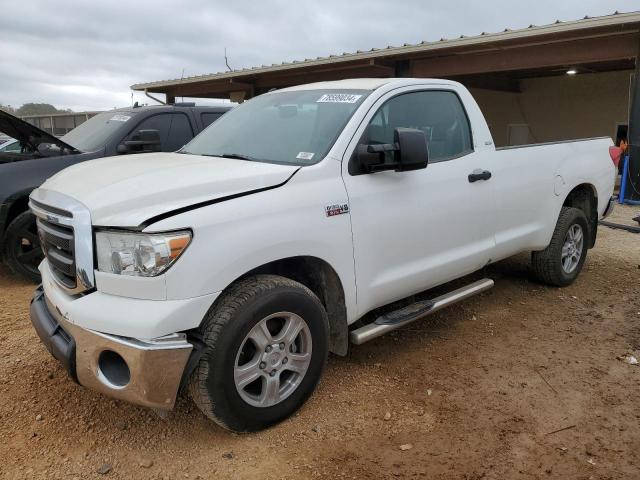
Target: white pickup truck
x=232, y=267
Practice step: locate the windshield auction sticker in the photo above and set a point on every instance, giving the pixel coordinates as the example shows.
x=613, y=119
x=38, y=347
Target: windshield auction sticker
x=338, y=98
x=120, y=118
x=305, y=156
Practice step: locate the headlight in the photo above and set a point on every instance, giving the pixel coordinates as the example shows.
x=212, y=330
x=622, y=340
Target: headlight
x=139, y=254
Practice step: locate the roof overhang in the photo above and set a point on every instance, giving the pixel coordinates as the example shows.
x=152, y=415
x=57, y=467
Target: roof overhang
x=497, y=59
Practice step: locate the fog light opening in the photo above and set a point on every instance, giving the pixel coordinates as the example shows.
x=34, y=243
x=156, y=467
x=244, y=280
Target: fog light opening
x=113, y=371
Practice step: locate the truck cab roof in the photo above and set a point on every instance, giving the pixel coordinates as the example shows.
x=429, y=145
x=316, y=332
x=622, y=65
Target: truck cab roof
x=178, y=106
x=369, y=83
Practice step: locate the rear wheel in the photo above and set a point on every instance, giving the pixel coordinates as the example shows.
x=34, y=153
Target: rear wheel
x=561, y=262
x=266, y=346
x=22, y=247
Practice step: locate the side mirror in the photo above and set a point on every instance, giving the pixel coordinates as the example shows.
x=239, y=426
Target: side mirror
x=413, y=149
x=49, y=150
x=410, y=152
x=141, y=141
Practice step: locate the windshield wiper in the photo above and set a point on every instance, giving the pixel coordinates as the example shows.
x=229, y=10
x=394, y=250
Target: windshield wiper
x=237, y=156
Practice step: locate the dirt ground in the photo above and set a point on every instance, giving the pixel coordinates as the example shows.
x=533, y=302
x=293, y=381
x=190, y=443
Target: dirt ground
x=521, y=382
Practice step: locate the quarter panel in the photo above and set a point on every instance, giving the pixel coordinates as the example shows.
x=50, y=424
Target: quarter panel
x=529, y=196
x=590, y=163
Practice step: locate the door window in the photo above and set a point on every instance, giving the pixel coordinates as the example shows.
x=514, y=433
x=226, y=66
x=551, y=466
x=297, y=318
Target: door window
x=174, y=128
x=180, y=132
x=439, y=114
x=208, y=118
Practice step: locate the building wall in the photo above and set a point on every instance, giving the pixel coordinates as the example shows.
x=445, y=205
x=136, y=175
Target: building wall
x=559, y=108
x=60, y=123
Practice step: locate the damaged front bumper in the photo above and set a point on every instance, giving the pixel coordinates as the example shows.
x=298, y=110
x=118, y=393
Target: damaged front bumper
x=144, y=372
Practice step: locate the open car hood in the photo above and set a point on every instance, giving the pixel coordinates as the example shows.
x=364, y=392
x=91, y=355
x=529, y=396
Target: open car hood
x=28, y=134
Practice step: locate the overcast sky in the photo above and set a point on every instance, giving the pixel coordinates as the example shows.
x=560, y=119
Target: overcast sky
x=86, y=54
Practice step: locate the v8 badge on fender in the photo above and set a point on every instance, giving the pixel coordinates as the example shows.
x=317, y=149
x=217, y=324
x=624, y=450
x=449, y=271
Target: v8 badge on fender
x=336, y=209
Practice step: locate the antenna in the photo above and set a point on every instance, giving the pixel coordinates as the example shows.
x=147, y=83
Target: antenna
x=226, y=60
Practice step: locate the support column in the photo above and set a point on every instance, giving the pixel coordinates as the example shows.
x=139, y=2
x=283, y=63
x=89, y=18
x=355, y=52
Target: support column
x=633, y=181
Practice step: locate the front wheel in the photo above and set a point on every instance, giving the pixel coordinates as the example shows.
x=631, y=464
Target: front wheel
x=266, y=346
x=561, y=262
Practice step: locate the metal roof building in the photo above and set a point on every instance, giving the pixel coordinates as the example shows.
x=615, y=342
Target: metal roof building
x=489, y=60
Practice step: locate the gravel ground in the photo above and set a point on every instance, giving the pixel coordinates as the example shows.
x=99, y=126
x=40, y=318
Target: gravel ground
x=522, y=382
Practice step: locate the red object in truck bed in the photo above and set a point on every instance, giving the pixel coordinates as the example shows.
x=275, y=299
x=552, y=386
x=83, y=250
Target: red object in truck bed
x=615, y=153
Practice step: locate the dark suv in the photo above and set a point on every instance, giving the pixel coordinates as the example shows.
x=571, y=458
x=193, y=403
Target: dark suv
x=116, y=132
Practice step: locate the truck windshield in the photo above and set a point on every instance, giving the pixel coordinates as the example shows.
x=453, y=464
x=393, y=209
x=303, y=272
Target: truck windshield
x=93, y=134
x=295, y=128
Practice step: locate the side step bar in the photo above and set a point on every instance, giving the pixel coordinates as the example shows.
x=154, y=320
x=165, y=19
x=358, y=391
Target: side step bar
x=399, y=318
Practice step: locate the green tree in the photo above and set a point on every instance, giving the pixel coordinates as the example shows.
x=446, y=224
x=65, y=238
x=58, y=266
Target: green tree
x=36, y=109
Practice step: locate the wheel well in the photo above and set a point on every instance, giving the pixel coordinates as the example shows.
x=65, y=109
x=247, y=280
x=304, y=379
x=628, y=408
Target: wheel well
x=319, y=277
x=17, y=207
x=585, y=198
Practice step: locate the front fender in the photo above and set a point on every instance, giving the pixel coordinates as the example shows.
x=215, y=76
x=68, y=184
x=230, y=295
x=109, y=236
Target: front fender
x=234, y=237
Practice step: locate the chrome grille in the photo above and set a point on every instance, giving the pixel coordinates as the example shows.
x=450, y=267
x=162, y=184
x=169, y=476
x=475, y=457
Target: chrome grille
x=56, y=211
x=64, y=228
x=58, y=246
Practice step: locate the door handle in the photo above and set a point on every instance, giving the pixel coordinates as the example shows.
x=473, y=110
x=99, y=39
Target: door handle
x=479, y=175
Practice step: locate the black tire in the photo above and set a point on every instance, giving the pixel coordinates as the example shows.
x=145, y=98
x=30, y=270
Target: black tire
x=22, y=247
x=224, y=330
x=547, y=263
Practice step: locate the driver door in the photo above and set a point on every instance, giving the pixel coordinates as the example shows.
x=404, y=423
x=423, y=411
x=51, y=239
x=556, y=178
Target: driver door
x=414, y=230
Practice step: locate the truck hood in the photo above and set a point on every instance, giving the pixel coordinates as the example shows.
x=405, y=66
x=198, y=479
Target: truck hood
x=28, y=134
x=129, y=190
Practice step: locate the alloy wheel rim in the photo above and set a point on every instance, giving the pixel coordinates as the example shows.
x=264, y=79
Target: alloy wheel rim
x=572, y=248
x=273, y=359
